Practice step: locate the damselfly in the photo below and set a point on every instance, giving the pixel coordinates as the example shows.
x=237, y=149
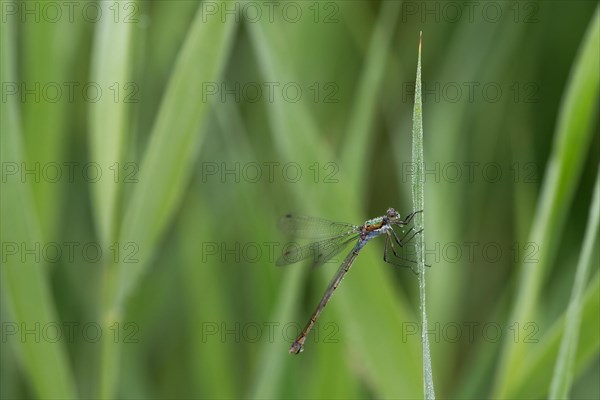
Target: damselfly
x=331, y=238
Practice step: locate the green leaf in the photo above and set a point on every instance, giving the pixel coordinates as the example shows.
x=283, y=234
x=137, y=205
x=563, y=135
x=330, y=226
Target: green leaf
x=24, y=282
x=108, y=123
x=166, y=167
x=48, y=50
x=563, y=370
x=534, y=375
x=357, y=143
x=571, y=144
x=419, y=205
x=177, y=134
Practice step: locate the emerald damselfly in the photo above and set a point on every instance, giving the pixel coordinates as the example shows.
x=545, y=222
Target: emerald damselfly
x=333, y=237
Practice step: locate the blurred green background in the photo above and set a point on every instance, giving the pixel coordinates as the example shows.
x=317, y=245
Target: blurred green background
x=150, y=147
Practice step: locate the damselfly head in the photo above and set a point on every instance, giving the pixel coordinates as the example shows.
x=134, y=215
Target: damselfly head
x=392, y=214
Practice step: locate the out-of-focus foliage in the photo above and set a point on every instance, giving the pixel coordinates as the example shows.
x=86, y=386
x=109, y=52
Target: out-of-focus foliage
x=150, y=147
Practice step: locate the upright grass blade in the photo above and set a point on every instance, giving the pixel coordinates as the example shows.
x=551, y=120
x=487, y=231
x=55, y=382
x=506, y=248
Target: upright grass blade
x=49, y=52
x=360, y=124
x=450, y=127
x=211, y=361
x=563, y=370
x=573, y=134
x=175, y=139
x=24, y=283
x=165, y=168
x=108, y=122
x=533, y=377
x=419, y=204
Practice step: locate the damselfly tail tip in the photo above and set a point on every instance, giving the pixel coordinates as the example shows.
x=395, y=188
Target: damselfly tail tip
x=296, y=348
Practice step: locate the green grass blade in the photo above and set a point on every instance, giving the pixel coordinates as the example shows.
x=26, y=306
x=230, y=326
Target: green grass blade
x=202, y=282
x=563, y=371
x=419, y=204
x=358, y=141
x=24, y=283
x=450, y=132
x=108, y=122
x=532, y=379
x=48, y=50
x=571, y=144
x=166, y=166
x=274, y=358
x=175, y=139
x=284, y=117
